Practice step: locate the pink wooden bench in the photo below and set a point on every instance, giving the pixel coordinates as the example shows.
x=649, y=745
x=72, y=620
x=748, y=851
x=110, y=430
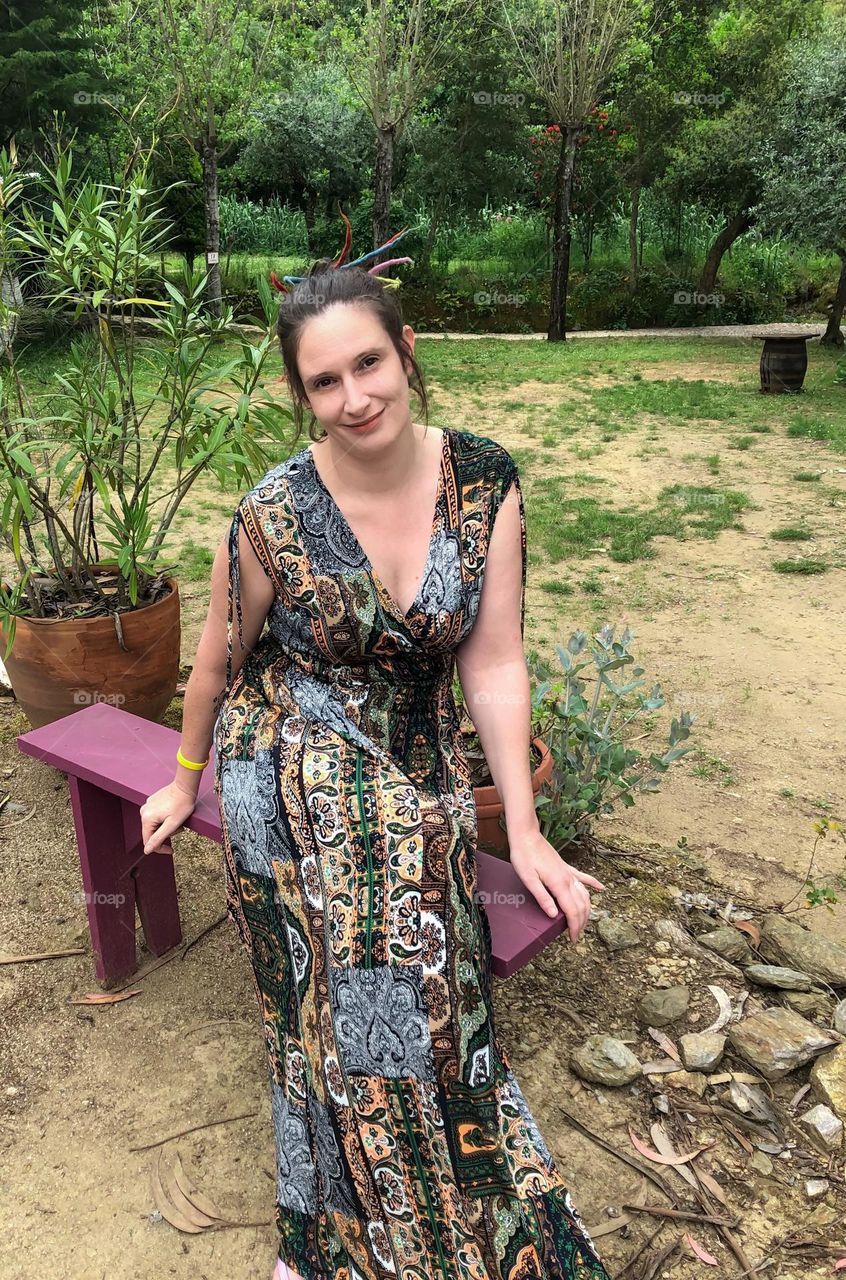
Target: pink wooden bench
x=114, y=760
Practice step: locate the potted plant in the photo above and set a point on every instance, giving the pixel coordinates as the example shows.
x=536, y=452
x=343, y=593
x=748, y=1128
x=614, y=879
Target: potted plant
x=95, y=465
x=490, y=812
x=581, y=763
x=594, y=766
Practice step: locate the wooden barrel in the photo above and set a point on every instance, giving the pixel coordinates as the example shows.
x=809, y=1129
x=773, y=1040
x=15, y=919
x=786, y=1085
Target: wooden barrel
x=784, y=362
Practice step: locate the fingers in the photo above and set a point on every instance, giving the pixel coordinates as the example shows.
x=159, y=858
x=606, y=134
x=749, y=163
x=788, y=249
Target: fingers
x=586, y=879
x=544, y=899
x=158, y=840
x=571, y=897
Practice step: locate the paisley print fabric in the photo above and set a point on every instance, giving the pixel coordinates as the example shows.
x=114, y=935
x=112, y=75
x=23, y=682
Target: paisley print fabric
x=404, y=1146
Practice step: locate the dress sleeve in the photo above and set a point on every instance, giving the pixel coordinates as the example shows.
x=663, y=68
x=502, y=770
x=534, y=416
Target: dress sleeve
x=508, y=487
x=243, y=518
x=234, y=592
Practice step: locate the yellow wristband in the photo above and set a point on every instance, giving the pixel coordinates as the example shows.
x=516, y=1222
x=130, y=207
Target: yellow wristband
x=189, y=764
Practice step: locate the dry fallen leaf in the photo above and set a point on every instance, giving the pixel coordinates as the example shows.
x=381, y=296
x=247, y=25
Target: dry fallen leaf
x=605, y=1228
x=203, y=1202
x=702, y=1254
x=665, y=1042
x=662, y=1141
x=659, y=1159
x=712, y=1186
x=746, y=926
x=799, y=1095
x=173, y=1203
x=725, y=1010
x=106, y=997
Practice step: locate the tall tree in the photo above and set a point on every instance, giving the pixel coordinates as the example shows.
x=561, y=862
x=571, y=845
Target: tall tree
x=394, y=51
x=654, y=83
x=45, y=67
x=202, y=65
x=570, y=49
x=715, y=161
x=803, y=161
x=309, y=144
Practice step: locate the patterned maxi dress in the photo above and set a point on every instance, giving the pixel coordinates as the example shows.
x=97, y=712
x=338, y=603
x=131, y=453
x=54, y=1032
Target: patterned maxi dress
x=404, y=1146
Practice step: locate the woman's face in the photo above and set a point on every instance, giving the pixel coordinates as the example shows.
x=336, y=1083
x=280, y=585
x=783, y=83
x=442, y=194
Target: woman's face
x=352, y=373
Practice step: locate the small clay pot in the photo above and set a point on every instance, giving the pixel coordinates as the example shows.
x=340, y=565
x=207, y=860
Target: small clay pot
x=492, y=837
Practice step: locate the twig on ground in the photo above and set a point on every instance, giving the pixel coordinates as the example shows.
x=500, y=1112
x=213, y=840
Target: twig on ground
x=147, y=1146
x=43, y=955
x=687, y=1214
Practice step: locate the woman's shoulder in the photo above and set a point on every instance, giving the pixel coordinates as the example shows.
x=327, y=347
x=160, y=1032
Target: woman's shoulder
x=275, y=485
x=483, y=457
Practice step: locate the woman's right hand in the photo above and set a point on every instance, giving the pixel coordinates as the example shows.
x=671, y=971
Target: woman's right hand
x=162, y=813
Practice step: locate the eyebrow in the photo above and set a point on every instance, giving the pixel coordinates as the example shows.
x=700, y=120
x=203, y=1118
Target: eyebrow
x=327, y=373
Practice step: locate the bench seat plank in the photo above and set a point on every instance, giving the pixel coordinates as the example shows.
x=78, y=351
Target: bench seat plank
x=114, y=760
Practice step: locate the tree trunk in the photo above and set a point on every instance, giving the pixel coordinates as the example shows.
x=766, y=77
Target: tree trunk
x=730, y=232
x=833, y=336
x=309, y=218
x=557, y=331
x=211, y=206
x=382, y=181
x=633, y=217
x=431, y=235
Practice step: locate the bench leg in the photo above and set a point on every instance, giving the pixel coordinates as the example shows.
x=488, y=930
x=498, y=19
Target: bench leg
x=109, y=894
x=114, y=879
x=155, y=887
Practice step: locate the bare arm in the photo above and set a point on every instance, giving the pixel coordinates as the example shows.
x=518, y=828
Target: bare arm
x=207, y=683
x=492, y=669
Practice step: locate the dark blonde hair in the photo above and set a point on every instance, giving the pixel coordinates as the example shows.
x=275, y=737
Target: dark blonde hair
x=324, y=286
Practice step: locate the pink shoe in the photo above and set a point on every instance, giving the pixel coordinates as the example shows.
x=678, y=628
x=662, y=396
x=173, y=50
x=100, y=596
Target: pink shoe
x=284, y=1272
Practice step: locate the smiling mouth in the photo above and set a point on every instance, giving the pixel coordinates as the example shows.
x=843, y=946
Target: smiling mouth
x=352, y=425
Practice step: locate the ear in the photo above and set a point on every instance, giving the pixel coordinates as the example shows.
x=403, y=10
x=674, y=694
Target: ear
x=410, y=337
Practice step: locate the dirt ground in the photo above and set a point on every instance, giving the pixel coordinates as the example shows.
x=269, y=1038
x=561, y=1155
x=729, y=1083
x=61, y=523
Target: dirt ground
x=757, y=655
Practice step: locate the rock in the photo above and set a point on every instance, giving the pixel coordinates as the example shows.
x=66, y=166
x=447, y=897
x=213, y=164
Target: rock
x=760, y=1161
x=701, y=1051
x=811, y=1004
x=658, y=1008
x=816, y=1187
x=783, y=942
x=695, y=1081
x=685, y=945
x=653, y=971
x=728, y=943
x=701, y=922
x=749, y=1100
x=840, y=1018
x=828, y=1080
x=773, y=975
x=617, y=934
x=604, y=1060
x=777, y=1041
x=825, y=1124
x=662, y=948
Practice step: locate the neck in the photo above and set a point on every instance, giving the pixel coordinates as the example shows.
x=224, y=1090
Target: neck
x=363, y=471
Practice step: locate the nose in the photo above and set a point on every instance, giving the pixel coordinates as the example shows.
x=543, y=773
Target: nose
x=356, y=401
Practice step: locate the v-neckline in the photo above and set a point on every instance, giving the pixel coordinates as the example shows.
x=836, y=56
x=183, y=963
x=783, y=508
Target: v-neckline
x=409, y=613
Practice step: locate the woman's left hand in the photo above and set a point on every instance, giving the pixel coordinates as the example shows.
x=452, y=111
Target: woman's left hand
x=553, y=882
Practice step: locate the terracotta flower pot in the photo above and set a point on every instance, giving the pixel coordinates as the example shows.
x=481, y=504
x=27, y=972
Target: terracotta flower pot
x=58, y=665
x=492, y=836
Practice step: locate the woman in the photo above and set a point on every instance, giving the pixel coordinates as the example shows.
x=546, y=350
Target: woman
x=380, y=556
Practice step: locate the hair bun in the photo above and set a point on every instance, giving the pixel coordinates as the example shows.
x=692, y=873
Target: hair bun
x=338, y=263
